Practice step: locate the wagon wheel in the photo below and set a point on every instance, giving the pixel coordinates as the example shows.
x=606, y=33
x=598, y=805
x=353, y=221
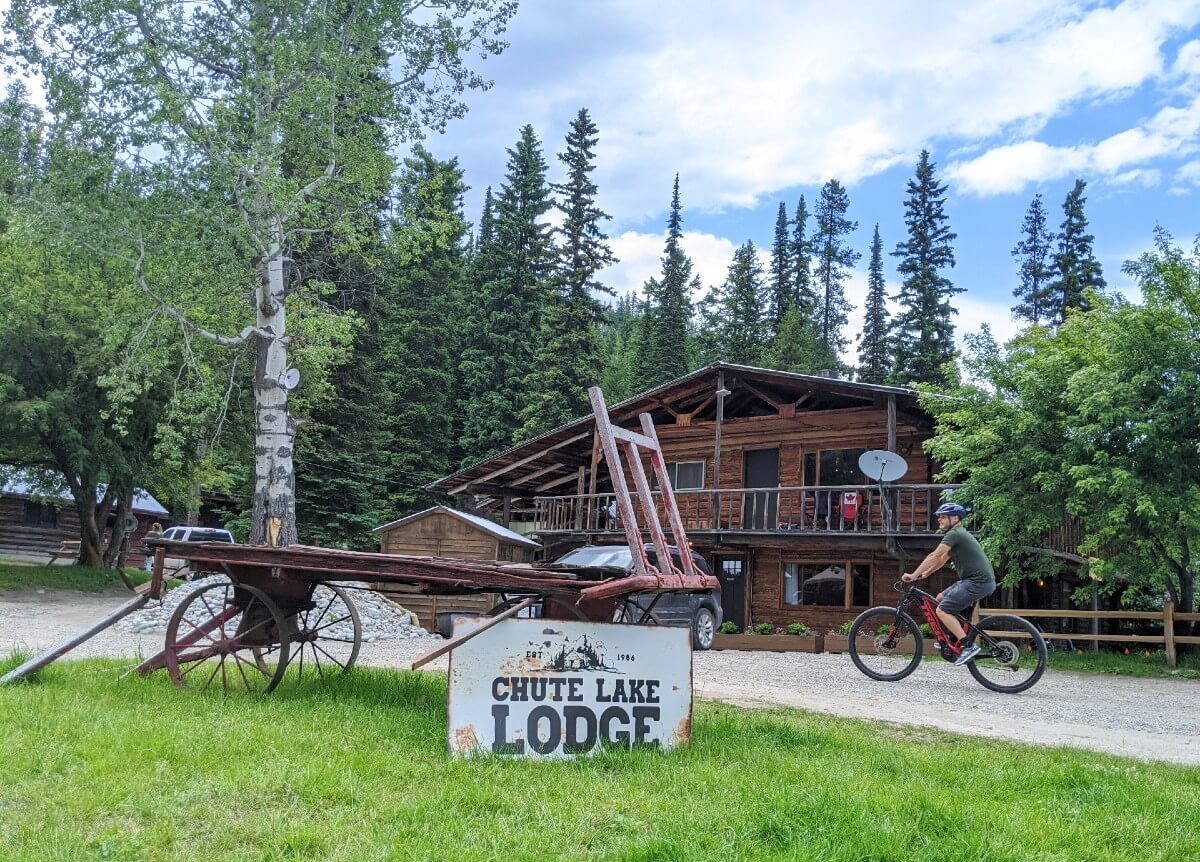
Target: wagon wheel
x=227, y=635
x=328, y=634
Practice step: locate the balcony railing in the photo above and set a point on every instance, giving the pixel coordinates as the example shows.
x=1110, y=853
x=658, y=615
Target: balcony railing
x=829, y=509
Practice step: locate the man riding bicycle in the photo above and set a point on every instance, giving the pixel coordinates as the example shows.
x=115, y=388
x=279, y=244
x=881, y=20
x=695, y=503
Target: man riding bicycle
x=977, y=579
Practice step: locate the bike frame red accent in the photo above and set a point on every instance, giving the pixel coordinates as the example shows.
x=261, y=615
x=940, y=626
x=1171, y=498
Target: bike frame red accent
x=939, y=631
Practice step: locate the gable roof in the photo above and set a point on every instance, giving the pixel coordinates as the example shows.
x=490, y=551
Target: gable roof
x=555, y=456
x=502, y=533
x=32, y=483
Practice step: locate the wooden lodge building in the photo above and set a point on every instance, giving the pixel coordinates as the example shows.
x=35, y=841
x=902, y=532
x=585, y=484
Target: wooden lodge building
x=765, y=469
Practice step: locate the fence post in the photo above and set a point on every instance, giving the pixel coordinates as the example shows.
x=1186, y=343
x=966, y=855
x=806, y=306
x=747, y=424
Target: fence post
x=1169, y=631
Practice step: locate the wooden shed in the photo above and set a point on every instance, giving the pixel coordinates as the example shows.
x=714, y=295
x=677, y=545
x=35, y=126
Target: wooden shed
x=440, y=531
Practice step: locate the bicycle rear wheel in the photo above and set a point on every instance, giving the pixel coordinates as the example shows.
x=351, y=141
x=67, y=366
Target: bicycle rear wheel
x=885, y=644
x=1013, y=656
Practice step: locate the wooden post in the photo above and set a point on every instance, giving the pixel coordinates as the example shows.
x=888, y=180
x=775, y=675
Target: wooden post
x=507, y=509
x=891, y=423
x=1096, y=619
x=593, y=516
x=716, y=495
x=1169, y=631
x=579, y=501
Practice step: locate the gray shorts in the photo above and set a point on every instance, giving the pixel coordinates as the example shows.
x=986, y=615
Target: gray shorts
x=959, y=596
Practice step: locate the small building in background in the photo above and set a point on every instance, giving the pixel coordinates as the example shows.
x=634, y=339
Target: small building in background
x=440, y=531
x=37, y=514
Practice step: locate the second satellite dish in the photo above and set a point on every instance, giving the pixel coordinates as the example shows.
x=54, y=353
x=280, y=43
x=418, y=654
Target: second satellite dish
x=881, y=465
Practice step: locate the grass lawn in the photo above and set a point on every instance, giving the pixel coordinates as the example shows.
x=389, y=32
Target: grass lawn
x=1137, y=663
x=97, y=767
x=15, y=576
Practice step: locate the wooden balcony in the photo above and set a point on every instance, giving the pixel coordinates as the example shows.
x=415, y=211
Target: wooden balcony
x=827, y=510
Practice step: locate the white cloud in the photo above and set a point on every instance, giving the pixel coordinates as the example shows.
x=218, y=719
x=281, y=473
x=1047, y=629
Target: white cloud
x=641, y=254
x=745, y=100
x=1173, y=131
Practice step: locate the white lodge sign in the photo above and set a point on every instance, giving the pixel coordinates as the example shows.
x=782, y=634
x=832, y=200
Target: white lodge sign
x=550, y=688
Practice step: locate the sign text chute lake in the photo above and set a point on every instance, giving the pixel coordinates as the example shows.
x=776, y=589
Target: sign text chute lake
x=548, y=688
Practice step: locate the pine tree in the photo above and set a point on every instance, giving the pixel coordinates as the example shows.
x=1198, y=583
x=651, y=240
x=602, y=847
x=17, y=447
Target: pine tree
x=783, y=276
x=923, y=332
x=739, y=323
x=796, y=347
x=507, y=307
x=833, y=259
x=801, y=253
x=618, y=336
x=567, y=360
x=418, y=329
x=662, y=348
x=1077, y=267
x=874, y=360
x=1035, y=266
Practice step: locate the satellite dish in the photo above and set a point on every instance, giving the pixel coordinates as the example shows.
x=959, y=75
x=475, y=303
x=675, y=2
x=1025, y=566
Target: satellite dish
x=290, y=379
x=130, y=523
x=880, y=465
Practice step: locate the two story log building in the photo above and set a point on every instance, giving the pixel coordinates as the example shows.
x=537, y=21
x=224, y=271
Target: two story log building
x=765, y=469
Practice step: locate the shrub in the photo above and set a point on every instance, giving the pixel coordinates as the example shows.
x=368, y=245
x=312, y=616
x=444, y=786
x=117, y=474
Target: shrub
x=799, y=629
x=926, y=630
x=764, y=628
x=845, y=627
x=729, y=627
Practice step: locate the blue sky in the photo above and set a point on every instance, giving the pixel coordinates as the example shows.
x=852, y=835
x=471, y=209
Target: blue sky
x=753, y=104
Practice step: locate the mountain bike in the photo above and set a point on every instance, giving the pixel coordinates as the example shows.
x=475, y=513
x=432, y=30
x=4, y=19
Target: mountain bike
x=886, y=644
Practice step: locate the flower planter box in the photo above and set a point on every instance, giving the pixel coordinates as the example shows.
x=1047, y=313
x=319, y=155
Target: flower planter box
x=770, y=643
x=866, y=645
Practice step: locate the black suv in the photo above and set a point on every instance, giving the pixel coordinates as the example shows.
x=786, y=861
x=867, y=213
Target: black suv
x=701, y=612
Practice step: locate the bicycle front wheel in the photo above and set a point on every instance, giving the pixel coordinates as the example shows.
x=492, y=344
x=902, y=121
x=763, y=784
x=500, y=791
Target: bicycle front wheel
x=885, y=644
x=1013, y=655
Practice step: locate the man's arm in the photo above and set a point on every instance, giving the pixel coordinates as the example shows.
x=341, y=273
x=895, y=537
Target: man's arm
x=935, y=561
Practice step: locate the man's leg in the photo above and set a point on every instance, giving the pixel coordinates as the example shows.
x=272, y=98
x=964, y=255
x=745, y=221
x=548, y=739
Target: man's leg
x=950, y=621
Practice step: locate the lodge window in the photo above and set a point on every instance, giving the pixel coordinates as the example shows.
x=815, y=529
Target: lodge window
x=685, y=475
x=840, y=584
x=833, y=467
x=40, y=514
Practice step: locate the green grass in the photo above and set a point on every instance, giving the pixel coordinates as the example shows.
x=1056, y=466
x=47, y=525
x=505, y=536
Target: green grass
x=1137, y=663
x=95, y=766
x=15, y=576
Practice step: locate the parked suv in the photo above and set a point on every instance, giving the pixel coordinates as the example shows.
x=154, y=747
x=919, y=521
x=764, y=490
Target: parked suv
x=701, y=612
x=177, y=567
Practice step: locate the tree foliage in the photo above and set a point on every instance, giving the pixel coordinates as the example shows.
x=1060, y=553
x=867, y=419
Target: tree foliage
x=833, y=258
x=1033, y=254
x=1077, y=270
x=923, y=330
x=1087, y=422
x=874, y=357
x=662, y=347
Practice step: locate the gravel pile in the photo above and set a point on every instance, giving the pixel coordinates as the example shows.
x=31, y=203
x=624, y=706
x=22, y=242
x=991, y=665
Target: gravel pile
x=381, y=619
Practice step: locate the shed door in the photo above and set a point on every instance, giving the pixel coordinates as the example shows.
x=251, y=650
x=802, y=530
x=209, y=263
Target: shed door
x=761, y=469
x=731, y=571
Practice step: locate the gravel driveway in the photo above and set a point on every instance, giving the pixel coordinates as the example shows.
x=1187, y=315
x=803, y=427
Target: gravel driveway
x=1151, y=719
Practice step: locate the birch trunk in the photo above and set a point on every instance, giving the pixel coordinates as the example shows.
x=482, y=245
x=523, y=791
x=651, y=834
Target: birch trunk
x=274, y=518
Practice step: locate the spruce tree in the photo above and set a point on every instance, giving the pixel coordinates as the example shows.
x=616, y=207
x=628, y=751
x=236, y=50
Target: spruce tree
x=1076, y=265
x=874, y=359
x=618, y=336
x=419, y=329
x=796, y=347
x=801, y=252
x=1035, y=269
x=662, y=347
x=783, y=276
x=567, y=360
x=923, y=332
x=507, y=307
x=739, y=324
x=833, y=259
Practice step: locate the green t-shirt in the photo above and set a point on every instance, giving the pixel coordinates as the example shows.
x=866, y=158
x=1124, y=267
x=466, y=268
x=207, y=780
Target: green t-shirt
x=970, y=562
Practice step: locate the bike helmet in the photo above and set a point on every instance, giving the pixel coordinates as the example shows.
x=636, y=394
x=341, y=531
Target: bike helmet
x=952, y=509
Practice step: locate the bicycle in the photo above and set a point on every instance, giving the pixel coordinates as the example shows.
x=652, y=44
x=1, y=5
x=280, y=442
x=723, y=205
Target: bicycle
x=1013, y=655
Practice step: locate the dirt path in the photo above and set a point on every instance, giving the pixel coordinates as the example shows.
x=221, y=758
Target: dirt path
x=1150, y=719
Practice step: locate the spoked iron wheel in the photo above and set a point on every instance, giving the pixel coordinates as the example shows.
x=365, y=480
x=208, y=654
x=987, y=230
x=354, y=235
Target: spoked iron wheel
x=328, y=635
x=229, y=636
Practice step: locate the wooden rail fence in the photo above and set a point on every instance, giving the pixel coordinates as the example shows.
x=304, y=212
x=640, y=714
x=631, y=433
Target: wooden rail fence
x=1168, y=640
